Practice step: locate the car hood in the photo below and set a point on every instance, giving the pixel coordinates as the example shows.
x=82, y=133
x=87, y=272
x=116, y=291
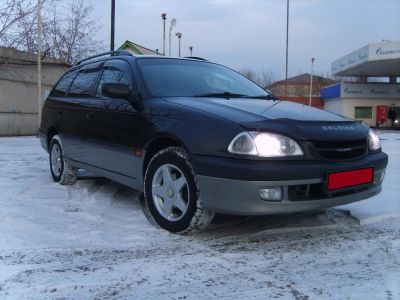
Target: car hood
x=296, y=120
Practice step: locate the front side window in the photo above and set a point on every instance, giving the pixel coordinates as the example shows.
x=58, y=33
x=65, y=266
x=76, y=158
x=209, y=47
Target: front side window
x=112, y=76
x=187, y=78
x=83, y=84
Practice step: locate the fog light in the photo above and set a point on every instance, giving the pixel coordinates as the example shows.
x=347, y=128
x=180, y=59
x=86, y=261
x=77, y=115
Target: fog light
x=271, y=193
x=382, y=176
x=379, y=178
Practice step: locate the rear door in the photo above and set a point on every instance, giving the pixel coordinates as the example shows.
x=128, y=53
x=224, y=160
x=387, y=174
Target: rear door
x=111, y=136
x=74, y=118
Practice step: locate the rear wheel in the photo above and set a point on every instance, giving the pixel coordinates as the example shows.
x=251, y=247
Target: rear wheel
x=171, y=193
x=60, y=170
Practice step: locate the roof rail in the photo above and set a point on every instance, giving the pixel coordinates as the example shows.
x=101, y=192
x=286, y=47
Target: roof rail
x=111, y=53
x=196, y=57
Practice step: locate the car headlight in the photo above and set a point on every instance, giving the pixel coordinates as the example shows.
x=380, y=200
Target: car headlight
x=264, y=144
x=373, y=140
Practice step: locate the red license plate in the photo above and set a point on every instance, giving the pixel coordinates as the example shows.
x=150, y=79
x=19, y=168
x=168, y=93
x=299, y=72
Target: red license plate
x=350, y=178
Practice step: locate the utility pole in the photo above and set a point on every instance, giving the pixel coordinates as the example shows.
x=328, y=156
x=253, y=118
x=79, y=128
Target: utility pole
x=287, y=45
x=39, y=61
x=179, y=35
x=312, y=70
x=171, y=25
x=112, y=24
x=164, y=17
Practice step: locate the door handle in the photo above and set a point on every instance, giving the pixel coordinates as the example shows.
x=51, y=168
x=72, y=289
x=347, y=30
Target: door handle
x=89, y=116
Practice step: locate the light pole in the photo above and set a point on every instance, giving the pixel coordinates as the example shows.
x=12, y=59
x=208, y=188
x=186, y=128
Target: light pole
x=287, y=45
x=164, y=17
x=312, y=70
x=112, y=24
x=191, y=50
x=39, y=60
x=171, y=25
x=179, y=35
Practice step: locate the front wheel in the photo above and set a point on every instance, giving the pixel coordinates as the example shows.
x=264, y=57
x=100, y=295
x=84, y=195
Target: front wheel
x=171, y=193
x=60, y=170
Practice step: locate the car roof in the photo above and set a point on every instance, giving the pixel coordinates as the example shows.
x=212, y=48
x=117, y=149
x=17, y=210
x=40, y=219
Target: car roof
x=125, y=54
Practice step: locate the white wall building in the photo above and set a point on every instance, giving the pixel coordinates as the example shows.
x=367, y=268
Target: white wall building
x=19, y=89
x=366, y=101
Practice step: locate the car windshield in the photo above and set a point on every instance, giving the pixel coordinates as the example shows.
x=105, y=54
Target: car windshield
x=190, y=78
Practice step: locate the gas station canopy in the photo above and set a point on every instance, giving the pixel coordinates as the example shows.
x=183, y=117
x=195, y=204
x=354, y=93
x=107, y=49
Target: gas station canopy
x=374, y=60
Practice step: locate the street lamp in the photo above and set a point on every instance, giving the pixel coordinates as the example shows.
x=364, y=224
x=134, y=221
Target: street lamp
x=287, y=45
x=172, y=25
x=39, y=61
x=179, y=35
x=191, y=50
x=112, y=24
x=312, y=70
x=164, y=17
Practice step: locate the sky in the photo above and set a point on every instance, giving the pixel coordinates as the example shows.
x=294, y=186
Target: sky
x=251, y=34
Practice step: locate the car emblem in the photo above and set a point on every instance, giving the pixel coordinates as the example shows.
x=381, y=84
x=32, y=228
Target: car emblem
x=338, y=127
x=343, y=149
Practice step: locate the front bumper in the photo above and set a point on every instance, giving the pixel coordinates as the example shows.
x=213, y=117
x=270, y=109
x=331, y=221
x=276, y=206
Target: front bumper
x=237, y=191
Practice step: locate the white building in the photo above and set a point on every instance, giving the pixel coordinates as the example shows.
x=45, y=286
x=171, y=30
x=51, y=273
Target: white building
x=19, y=89
x=364, y=100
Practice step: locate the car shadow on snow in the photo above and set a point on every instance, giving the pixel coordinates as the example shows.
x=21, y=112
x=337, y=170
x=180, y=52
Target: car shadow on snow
x=230, y=225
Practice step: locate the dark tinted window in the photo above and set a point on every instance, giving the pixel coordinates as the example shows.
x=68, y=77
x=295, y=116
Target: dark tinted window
x=110, y=76
x=83, y=84
x=174, y=78
x=64, y=84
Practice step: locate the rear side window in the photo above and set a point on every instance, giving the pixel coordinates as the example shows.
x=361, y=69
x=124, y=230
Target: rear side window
x=64, y=84
x=83, y=84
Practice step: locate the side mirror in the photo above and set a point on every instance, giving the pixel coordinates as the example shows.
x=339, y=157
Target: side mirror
x=116, y=90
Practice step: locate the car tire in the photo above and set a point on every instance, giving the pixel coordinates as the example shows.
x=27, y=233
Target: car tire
x=60, y=170
x=172, y=196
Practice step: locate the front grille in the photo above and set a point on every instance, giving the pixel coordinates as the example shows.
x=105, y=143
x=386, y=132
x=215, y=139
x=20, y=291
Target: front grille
x=317, y=191
x=303, y=192
x=341, y=149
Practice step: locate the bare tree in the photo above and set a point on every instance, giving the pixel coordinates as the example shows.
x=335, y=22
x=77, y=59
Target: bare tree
x=12, y=14
x=73, y=37
x=263, y=79
x=68, y=36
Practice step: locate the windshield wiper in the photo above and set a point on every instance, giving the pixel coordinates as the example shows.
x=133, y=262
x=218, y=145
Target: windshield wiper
x=266, y=97
x=221, y=95
x=228, y=95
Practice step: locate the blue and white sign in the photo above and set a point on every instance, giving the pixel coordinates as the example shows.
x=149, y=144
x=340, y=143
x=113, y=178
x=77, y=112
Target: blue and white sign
x=371, y=52
x=383, y=51
x=370, y=91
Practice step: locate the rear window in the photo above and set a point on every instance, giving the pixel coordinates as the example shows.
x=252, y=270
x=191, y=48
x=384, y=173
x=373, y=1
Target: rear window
x=64, y=84
x=83, y=84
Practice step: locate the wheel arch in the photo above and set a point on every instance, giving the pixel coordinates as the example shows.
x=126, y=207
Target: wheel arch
x=52, y=131
x=157, y=144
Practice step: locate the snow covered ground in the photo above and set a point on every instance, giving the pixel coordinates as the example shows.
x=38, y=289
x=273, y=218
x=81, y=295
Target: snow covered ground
x=92, y=241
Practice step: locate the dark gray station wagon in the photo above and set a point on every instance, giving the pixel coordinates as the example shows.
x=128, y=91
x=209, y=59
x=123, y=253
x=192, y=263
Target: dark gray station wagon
x=197, y=138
